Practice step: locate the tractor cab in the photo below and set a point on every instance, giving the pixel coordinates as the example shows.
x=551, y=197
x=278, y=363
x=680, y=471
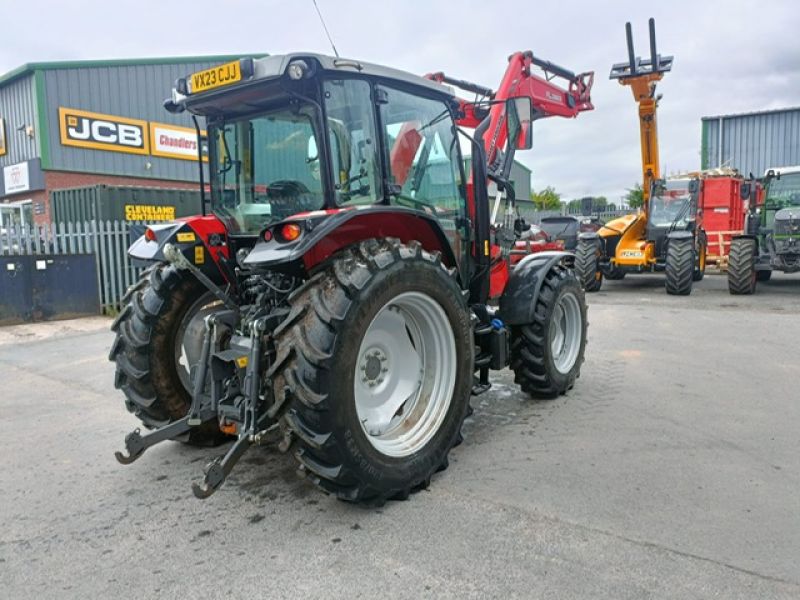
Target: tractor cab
x=298, y=134
x=673, y=207
x=782, y=197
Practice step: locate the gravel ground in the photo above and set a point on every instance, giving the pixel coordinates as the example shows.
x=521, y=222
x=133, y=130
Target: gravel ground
x=671, y=471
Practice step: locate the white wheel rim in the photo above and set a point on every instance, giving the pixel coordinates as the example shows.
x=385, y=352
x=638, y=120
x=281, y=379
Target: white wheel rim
x=566, y=329
x=405, y=374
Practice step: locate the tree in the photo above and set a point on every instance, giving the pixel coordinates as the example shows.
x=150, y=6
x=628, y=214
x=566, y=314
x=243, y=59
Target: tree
x=635, y=196
x=547, y=199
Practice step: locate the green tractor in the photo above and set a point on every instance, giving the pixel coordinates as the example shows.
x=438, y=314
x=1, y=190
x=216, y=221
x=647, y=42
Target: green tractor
x=771, y=238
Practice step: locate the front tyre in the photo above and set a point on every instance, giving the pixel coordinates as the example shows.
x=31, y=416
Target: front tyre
x=376, y=360
x=742, y=274
x=546, y=354
x=680, y=266
x=587, y=265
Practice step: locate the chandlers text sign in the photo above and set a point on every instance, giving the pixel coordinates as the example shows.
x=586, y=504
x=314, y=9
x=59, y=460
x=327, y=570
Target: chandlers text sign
x=171, y=141
x=102, y=132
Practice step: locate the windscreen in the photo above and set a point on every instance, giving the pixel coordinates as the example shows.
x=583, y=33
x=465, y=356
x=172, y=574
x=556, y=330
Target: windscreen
x=265, y=168
x=670, y=205
x=784, y=192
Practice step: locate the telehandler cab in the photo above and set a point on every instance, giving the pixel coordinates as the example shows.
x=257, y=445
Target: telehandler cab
x=351, y=286
x=667, y=234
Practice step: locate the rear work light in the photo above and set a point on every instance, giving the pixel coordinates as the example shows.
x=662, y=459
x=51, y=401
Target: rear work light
x=290, y=232
x=149, y=235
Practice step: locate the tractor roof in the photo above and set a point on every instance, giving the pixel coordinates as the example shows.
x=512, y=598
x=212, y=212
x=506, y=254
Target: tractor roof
x=784, y=170
x=259, y=70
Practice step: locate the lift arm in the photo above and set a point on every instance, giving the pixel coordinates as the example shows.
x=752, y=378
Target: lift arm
x=547, y=98
x=642, y=77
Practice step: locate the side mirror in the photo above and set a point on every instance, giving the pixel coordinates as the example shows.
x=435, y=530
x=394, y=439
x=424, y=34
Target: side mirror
x=519, y=120
x=744, y=191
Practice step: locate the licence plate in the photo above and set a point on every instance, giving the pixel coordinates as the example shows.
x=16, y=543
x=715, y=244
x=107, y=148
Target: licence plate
x=631, y=254
x=216, y=77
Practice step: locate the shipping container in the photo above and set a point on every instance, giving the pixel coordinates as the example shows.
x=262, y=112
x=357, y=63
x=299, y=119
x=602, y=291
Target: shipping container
x=128, y=203
x=751, y=142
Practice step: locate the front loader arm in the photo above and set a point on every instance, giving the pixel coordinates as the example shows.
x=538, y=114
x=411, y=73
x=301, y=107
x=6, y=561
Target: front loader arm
x=547, y=98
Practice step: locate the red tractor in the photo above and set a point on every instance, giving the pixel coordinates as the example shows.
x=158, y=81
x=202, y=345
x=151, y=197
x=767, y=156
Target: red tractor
x=351, y=286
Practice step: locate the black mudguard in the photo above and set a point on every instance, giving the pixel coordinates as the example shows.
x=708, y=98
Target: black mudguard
x=522, y=290
x=144, y=252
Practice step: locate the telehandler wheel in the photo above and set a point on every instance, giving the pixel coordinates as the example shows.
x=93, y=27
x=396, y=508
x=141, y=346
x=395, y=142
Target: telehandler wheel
x=546, y=355
x=376, y=360
x=679, y=267
x=742, y=274
x=700, y=264
x=613, y=272
x=587, y=265
x=159, y=337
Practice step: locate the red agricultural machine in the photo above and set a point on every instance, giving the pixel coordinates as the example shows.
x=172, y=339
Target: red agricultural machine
x=351, y=286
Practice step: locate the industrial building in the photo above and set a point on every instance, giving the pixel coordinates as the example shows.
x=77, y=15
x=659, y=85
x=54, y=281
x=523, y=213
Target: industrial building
x=752, y=142
x=83, y=123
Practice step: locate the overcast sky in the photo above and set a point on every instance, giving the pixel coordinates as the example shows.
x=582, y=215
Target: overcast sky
x=732, y=56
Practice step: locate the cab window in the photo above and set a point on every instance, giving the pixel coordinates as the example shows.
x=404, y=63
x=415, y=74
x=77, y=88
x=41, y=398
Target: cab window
x=353, y=144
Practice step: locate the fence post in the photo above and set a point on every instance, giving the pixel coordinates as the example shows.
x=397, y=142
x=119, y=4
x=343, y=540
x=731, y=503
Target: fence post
x=97, y=263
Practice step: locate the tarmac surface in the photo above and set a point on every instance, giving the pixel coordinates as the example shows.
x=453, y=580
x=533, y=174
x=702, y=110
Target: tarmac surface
x=672, y=470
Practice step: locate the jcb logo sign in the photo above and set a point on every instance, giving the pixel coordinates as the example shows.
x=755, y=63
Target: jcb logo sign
x=103, y=132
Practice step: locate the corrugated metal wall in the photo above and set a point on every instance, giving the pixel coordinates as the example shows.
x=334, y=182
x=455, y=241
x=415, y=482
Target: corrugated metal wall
x=18, y=107
x=752, y=142
x=136, y=91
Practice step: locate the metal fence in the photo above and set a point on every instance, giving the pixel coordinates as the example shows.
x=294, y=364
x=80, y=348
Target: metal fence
x=535, y=216
x=108, y=241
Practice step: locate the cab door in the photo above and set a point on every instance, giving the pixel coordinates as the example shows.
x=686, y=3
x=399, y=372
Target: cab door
x=424, y=169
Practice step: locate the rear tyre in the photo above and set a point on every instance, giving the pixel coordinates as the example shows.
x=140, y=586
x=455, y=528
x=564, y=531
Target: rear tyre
x=742, y=274
x=375, y=360
x=700, y=264
x=613, y=272
x=587, y=265
x=679, y=267
x=159, y=326
x=546, y=355
x=763, y=275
